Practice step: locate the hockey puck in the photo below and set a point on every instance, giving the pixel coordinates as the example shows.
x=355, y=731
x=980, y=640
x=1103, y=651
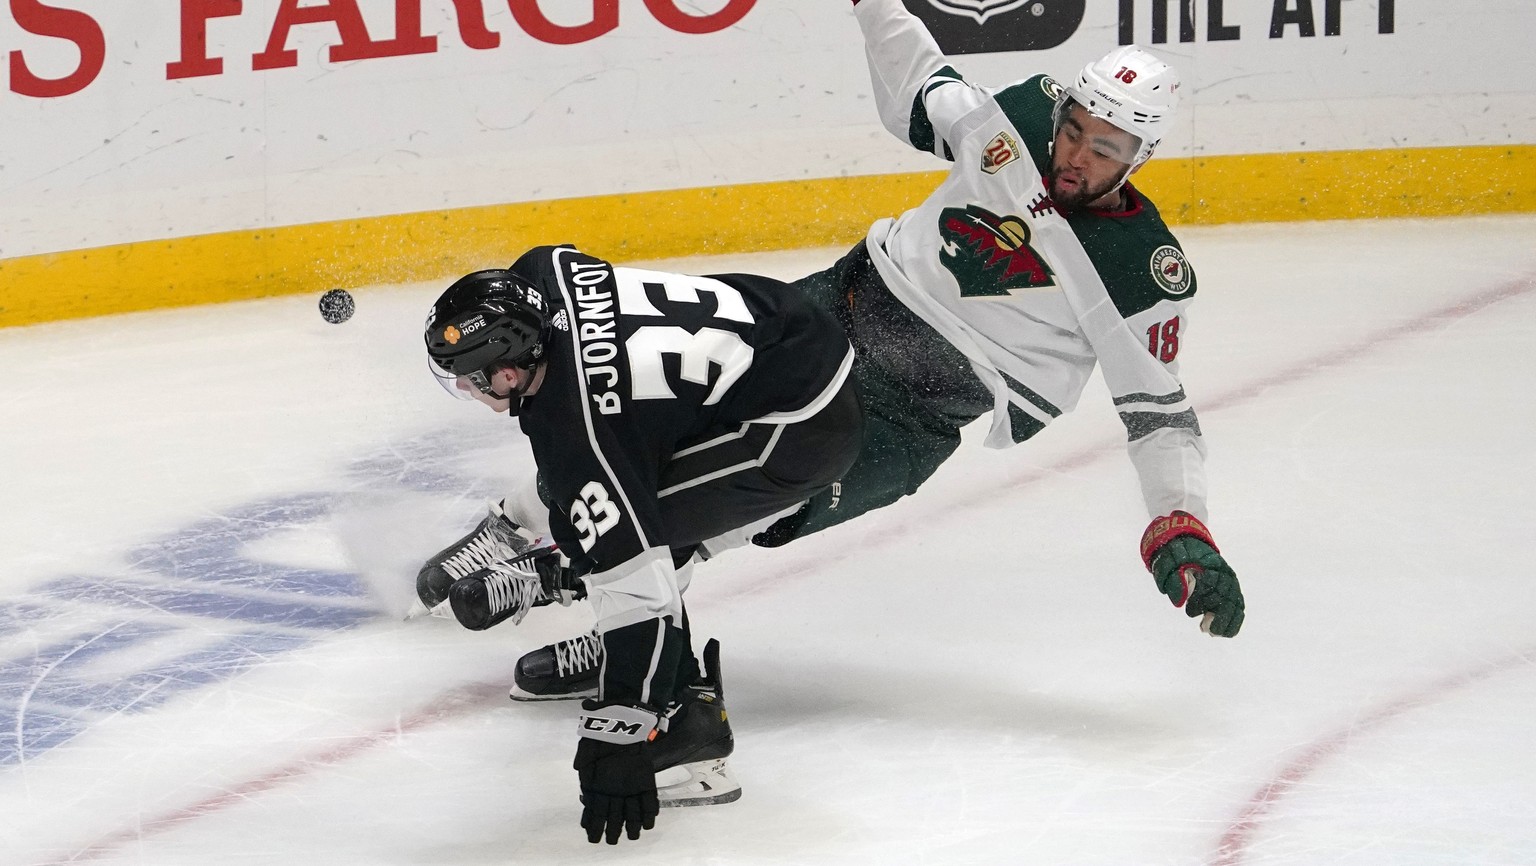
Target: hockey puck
x=337, y=306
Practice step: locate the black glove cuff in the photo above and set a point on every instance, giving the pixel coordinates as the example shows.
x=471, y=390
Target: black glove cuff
x=558, y=582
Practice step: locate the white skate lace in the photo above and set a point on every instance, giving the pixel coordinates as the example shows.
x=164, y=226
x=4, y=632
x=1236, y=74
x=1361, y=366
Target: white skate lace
x=493, y=543
x=507, y=588
x=578, y=654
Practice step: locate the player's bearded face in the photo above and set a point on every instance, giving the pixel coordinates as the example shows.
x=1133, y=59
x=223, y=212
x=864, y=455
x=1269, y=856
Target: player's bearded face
x=1089, y=159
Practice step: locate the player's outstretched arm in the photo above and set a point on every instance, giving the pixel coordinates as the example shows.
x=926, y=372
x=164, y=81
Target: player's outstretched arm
x=1188, y=568
x=918, y=94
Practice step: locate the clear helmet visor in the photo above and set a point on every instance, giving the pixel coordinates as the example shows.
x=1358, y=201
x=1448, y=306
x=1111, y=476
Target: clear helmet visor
x=459, y=387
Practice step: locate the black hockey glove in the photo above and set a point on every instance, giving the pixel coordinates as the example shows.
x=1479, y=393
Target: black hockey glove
x=1188, y=568
x=613, y=762
x=557, y=582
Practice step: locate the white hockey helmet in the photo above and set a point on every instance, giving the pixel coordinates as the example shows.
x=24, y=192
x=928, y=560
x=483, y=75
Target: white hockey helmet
x=1129, y=88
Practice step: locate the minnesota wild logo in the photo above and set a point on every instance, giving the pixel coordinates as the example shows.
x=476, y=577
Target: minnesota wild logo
x=988, y=254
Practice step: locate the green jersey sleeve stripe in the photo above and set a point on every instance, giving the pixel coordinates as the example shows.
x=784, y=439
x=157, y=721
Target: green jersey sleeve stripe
x=1139, y=424
x=1164, y=400
x=920, y=129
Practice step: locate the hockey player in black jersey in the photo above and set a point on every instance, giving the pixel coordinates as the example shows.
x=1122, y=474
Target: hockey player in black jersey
x=664, y=411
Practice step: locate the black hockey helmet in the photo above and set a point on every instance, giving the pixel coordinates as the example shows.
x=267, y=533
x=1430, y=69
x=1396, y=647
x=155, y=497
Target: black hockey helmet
x=485, y=321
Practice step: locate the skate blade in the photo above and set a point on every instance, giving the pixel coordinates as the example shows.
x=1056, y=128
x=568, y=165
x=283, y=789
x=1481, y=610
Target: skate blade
x=419, y=610
x=702, y=783
x=518, y=694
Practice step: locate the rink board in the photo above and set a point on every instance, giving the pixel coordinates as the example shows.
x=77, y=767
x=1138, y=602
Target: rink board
x=231, y=266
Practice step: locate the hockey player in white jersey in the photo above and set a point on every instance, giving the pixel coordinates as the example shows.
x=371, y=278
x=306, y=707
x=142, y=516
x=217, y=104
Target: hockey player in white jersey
x=1034, y=260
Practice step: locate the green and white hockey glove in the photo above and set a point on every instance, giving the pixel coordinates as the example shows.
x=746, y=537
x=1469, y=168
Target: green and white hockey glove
x=1188, y=568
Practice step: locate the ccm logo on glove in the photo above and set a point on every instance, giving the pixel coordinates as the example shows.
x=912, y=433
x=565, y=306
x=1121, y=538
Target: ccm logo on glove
x=621, y=724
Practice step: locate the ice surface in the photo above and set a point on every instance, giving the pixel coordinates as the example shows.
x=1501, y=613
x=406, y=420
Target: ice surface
x=212, y=518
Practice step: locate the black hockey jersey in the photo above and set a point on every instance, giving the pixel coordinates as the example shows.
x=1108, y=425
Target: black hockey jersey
x=642, y=364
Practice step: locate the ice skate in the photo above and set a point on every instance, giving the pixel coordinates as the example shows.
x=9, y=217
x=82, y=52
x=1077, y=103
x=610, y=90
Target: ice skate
x=497, y=539
x=703, y=783
x=690, y=755
x=564, y=670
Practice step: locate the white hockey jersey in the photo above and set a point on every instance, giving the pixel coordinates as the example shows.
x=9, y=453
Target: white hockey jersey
x=1032, y=297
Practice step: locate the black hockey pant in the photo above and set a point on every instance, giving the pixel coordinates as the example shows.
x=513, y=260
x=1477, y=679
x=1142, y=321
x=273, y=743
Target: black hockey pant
x=730, y=479
x=736, y=477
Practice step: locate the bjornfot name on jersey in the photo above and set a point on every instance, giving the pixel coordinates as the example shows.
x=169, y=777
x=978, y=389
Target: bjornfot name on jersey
x=596, y=332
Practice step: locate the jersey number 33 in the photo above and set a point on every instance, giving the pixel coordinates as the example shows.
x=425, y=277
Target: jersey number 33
x=698, y=349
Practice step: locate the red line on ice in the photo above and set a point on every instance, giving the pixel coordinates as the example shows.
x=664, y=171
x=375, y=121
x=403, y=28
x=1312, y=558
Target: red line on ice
x=1234, y=842
x=452, y=704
